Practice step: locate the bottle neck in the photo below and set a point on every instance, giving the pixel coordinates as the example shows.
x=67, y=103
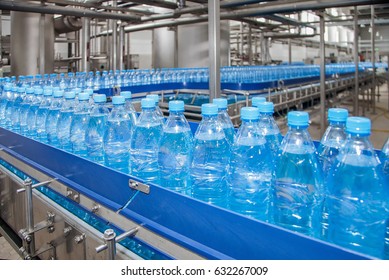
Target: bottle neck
x=337, y=124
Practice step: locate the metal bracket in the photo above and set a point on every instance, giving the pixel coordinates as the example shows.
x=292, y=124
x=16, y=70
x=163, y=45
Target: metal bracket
x=111, y=239
x=139, y=186
x=73, y=195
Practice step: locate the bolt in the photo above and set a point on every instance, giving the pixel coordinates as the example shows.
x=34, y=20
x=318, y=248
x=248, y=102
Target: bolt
x=67, y=230
x=109, y=234
x=51, y=229
x=79, y=238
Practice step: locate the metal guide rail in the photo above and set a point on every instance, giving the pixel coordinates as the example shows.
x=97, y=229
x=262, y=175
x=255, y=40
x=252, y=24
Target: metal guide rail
x=65, y=207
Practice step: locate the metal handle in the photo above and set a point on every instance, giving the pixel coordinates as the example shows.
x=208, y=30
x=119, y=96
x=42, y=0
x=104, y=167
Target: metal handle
x=111, y=239
x=28, y=181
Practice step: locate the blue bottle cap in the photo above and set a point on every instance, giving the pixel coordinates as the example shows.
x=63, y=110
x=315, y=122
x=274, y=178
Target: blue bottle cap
x=358, y=125
x=176, y=106
x=38, y=91
x=14, y=89
x=89, y=91
x=298, y=118
x=99, y=98
x=48, y=91
x=77, y=90
x=58, y=93
x=209, y=109
x=30, y=90
x=126, y=94
x=155, y=97
x=220, y=102
x=54, y=75
x=70, y=94
x=249, y=113
x=83, y=96
x=7, y=87
x=38, y=76
x=21, y=89
x=91, y=73
x=118, y=100
x=337, y=114
x=70, y=74
x=256, y=100
x=147, y=102
x=266, y=107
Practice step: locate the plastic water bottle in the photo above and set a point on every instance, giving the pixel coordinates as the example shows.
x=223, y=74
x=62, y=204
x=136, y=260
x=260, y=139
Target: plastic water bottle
x=256, y=100
x=18, y=99
x=385, y=160
x=130, y=107
x=32, y=112
x=158, y=110
x=297, y=179
x=11, y=94
x=42, y=113
x=268, y=126
x=23, y=111
x=249, y=180
x=145, y=143
x=358, y=197
x=65, y=120
x=175, y=149
x=333, y=138
x=53, y=117
x=117, y=136
x=79, y=125
x=211, y=157
x=225, y=119
x=94, y=135
x=5, y=96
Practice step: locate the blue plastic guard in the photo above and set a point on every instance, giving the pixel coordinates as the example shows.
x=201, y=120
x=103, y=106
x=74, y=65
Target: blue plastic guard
x=210, y=231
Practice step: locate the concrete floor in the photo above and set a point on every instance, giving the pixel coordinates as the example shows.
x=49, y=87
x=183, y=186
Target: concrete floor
x=380, y=133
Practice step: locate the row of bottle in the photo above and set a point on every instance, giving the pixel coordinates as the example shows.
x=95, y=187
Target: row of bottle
x=229, y=74
x=338, y=194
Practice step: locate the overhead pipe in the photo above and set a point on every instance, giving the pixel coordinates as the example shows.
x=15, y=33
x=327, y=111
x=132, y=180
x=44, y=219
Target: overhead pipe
x=68, y=11
x=66, y=24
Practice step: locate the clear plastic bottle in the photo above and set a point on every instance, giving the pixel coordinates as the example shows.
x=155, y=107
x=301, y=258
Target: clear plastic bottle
x=145, y=143
x=158, y=110
x=130, y=107
x=357, y=196
x=32, y=112
x=225, y=119
x=79, y=125
x=94, y=135
x=42, y=113
x=297, y=180
x=249, y=180
x=65, y=120
x=117, y=136
x=18, y=99
x=268, y=126
x=385, y=160
x=23, y=112
x=5, y=96
x=333, y=138
x=256, y=100
x=211, y=158
x=53, y=117
x=176, y=150
x=11, y=94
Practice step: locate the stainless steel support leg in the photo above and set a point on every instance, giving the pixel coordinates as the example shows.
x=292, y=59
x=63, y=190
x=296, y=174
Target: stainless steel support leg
x=322, y=76
x=214, y=48
x=373, y=59
x=356, y=61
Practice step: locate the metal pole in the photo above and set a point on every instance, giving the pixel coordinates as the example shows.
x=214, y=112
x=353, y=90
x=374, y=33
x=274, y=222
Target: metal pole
x=373, y=59
x=29, y=214
x=176, y=47
x=356, y=61
x=42, y=44
x=128, y=51
x=109, y=237
x=388, y=84
x=85, y=35
x=322, y=76
x=290, y=51
x=214, y=48
x=121, y=47
x=250, y=47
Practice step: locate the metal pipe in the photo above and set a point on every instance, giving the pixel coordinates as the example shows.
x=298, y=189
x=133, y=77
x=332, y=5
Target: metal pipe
x=356, y=61
x=50, y=9
x=290, y=51
x=322, y=76
x=29, y=214
x=85, y=35
x=42, y=44
x=214, y=48
x=121, y=47
x=114, y=41
x=373, y=59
